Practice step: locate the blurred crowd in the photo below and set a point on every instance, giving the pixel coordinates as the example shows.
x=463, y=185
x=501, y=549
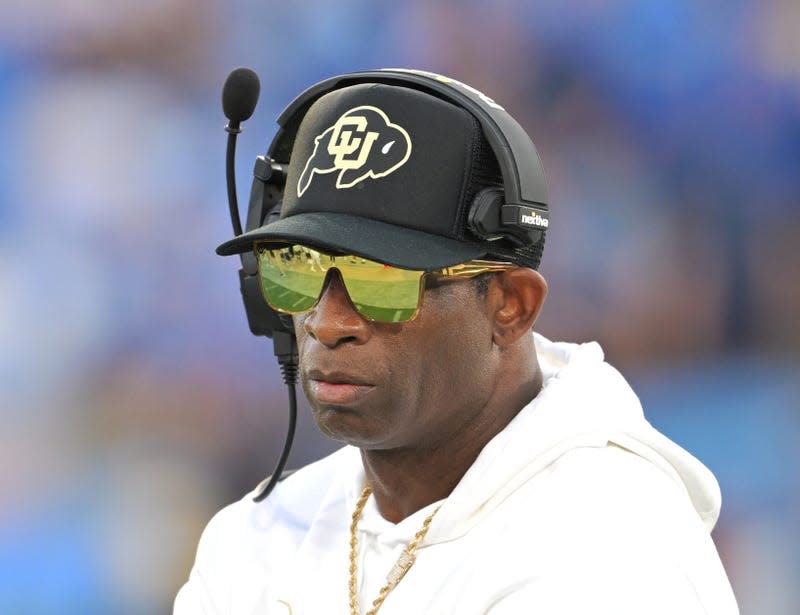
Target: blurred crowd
x=134, y=401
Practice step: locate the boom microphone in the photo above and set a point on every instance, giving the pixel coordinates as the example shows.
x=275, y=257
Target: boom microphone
x=239, y=98
x=240, y=95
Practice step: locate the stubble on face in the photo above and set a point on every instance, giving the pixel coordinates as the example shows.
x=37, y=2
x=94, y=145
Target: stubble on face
x=414, y=384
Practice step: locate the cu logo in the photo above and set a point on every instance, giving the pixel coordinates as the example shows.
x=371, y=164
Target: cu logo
x=363, y=143
x=343, y=143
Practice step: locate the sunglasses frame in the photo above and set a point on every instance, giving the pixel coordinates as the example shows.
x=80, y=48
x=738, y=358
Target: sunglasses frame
x=462, y=271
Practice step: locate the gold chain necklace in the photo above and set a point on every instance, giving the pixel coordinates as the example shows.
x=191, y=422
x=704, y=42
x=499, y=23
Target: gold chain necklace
x=401, y=566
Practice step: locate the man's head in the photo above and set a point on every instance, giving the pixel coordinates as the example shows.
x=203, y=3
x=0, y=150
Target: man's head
x=394, y=199
x=465, y=361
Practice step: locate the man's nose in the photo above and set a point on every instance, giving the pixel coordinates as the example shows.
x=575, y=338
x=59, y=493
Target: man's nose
x=334, y=320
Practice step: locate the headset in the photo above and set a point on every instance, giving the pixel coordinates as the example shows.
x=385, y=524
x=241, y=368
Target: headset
x=513, y=219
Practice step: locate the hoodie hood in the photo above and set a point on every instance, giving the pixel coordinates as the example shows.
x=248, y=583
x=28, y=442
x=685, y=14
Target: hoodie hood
x=584, y=402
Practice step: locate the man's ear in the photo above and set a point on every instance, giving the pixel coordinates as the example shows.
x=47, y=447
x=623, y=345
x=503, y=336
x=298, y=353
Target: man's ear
x=515, y=298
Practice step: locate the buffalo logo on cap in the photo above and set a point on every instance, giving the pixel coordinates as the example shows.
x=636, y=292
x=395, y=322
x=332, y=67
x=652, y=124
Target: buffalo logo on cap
x=362, y=144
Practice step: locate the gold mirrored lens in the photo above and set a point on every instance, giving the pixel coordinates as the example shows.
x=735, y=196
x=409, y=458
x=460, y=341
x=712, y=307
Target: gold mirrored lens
x=292, y=279
x=288, y=284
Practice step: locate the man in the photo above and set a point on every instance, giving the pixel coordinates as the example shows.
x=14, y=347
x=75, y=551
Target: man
x=486, y=469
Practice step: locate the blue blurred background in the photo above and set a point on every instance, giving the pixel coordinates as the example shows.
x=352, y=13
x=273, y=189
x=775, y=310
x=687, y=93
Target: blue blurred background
x=135, y=403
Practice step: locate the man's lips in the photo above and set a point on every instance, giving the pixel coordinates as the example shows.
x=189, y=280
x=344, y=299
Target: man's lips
x=337, y=388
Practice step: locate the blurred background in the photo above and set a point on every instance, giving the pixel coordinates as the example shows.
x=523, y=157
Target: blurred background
x=134, y=401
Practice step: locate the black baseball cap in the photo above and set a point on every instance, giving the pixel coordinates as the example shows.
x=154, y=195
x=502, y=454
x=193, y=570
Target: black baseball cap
x=385, y=172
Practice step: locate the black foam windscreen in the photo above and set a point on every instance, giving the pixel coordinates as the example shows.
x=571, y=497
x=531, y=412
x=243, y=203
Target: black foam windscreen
x=240, y=94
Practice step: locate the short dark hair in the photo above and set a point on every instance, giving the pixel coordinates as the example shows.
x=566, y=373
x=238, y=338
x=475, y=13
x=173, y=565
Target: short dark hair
x=481, y=283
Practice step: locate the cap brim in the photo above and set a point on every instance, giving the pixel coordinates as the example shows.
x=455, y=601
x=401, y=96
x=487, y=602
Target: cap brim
x=386, y=243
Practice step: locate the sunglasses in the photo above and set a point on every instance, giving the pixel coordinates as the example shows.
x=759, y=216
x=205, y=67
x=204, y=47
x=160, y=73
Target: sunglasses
x=293, y=277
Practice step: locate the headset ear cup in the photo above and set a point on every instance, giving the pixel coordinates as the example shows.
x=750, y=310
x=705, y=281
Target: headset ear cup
x=263, y=208
x=266, y=192
x=261, y=318
x=483, y=219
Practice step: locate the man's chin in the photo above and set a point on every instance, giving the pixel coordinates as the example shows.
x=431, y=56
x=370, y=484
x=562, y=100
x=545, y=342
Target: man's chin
x=346, y=425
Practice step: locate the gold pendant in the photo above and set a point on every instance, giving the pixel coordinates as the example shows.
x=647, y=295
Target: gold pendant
x=401, y=566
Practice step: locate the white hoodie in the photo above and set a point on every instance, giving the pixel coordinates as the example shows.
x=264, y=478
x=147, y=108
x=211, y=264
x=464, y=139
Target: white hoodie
x=579, y=506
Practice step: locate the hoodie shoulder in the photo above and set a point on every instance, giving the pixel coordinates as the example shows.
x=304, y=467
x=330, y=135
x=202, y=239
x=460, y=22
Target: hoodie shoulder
x=247, y=542
x=610, y=485
x=618, y=514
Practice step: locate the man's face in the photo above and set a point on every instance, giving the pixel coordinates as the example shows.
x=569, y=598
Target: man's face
x=386, y=386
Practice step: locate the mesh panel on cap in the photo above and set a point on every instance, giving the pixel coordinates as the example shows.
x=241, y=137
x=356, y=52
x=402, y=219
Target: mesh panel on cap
x=485, y=173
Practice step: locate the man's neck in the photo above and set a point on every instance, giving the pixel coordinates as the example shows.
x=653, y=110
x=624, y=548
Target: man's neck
x=406, y=480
